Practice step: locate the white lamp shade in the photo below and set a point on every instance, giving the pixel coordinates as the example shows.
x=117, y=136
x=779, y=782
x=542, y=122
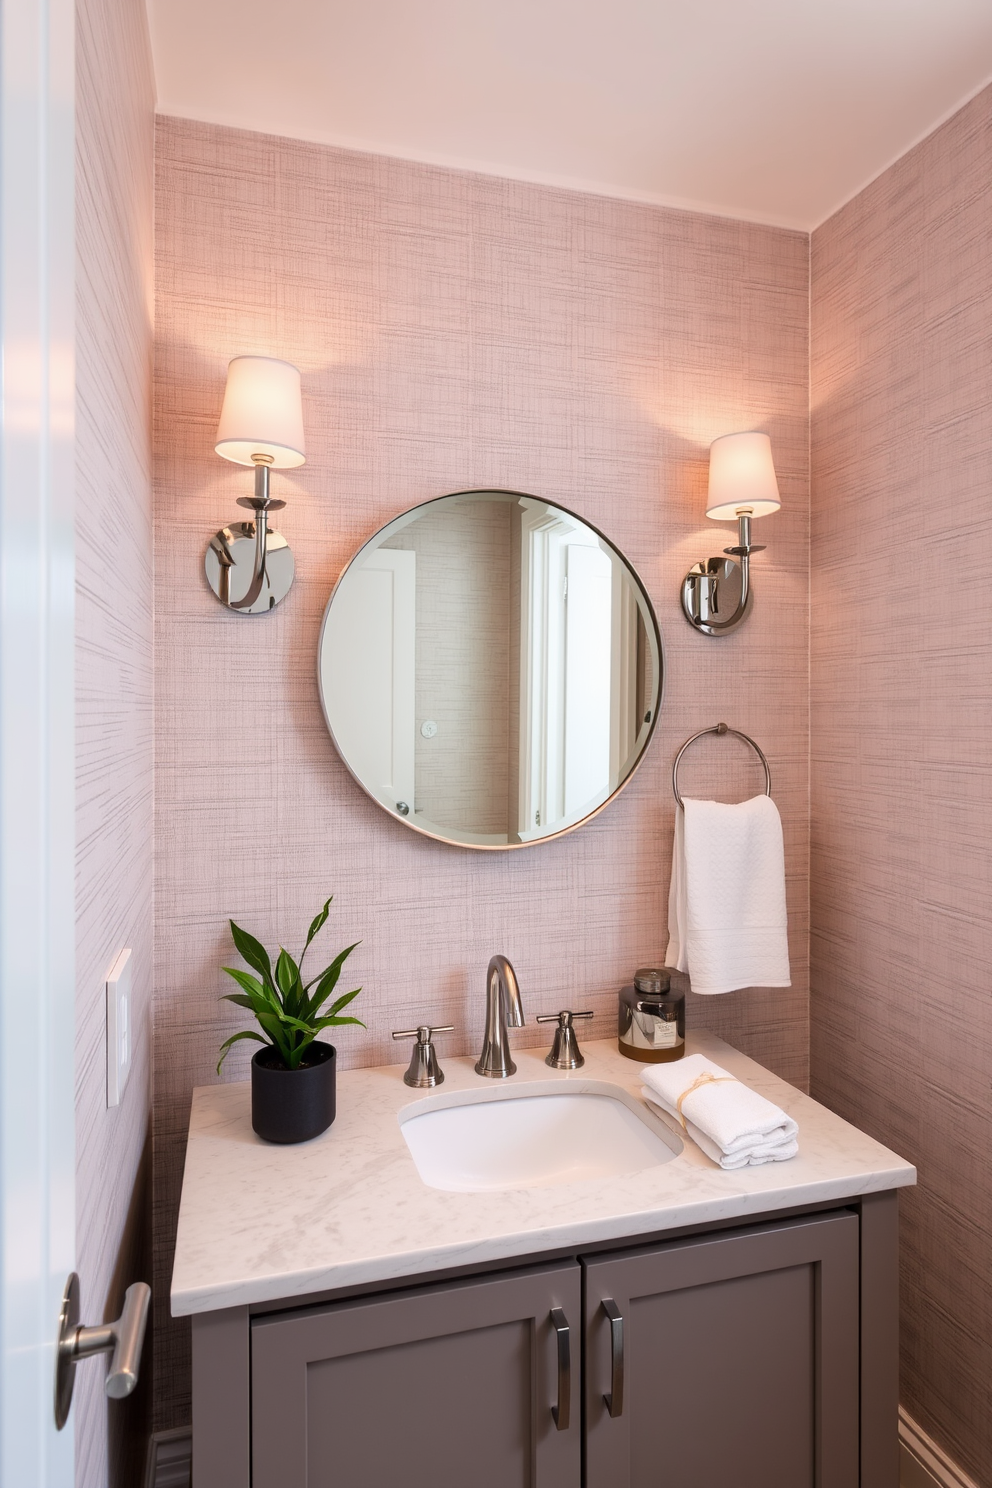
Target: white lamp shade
x=262, y=413
x=742, y=478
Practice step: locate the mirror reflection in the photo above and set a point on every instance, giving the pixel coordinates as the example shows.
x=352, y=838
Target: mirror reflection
x=490, y=669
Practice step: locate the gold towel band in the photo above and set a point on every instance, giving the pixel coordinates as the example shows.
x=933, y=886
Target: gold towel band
x=704, y=1079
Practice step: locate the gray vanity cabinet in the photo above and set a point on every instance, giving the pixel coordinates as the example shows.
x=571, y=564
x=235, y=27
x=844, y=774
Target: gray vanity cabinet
x=733, y=1358
x=758, y=1356
x=462, y=1385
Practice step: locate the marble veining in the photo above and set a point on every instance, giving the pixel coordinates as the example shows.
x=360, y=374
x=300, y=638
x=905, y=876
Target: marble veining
x=259, y=1222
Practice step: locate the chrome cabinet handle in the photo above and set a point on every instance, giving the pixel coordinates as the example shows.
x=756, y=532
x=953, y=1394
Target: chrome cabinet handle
x=560, y=1412
x=123, y=1339
x=614, y=1401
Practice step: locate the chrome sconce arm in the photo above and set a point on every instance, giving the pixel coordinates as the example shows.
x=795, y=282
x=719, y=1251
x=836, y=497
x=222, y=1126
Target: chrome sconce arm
x=222, y=545
x=716, y=593
x=249, y=566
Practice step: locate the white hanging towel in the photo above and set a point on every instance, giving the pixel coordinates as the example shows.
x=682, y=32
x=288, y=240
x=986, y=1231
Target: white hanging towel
x=726, y=906
x=734, y=1125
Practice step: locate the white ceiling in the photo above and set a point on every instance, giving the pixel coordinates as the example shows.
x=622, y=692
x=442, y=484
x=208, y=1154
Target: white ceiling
x=772, y=110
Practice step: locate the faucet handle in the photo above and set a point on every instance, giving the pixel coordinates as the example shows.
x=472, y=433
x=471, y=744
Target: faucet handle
x=565, y=1049
x=424, y=1071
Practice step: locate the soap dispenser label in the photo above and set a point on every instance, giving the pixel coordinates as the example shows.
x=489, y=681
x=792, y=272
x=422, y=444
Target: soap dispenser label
x=664, y=1035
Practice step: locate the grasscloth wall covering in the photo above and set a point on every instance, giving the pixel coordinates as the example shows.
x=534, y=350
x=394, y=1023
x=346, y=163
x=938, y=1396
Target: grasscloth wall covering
x=115, y=102
x=901, y=668
x=453, y=331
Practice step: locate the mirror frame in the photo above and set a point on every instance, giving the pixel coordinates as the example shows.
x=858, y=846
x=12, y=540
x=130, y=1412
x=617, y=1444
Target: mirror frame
x=649, y=608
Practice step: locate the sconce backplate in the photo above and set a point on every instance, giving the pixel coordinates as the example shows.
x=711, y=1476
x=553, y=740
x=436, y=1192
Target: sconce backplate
x=712, y=590
x=230, y=565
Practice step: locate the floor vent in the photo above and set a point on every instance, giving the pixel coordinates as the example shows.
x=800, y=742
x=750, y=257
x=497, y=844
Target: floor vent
x=170, y=1459
x=922, y=1463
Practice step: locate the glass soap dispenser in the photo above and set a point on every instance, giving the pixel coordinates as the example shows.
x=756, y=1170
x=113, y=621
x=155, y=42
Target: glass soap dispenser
x=651, y=1023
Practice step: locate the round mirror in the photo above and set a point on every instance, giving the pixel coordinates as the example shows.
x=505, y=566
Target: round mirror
x=490, y=669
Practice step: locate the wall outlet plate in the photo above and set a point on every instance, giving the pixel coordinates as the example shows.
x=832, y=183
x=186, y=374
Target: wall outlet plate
x=118, y=1027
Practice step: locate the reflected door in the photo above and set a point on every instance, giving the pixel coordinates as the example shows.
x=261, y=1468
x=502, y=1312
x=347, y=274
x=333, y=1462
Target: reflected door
x=369, y=666
x=588, y=666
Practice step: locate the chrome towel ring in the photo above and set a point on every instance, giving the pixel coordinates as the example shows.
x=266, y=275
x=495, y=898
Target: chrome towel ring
x=720, y=728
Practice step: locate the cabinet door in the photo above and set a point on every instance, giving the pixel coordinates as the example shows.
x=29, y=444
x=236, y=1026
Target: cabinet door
x=736, y=1357
x=457, y=1386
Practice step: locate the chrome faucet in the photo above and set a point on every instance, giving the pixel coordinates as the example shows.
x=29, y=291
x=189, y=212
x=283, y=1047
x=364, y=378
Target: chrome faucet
x=503, y=1010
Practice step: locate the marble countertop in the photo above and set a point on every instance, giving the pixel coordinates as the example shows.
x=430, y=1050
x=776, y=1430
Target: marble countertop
x=259, y=1222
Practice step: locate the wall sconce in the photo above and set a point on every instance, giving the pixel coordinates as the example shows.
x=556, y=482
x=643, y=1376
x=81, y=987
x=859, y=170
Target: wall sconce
x=249, y=567
x=716, y=594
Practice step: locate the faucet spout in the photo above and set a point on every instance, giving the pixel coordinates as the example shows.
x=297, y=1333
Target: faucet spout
x=503, y=1010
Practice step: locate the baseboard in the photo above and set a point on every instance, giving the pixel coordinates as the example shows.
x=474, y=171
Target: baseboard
x=170, y=1459
x=922, y=1464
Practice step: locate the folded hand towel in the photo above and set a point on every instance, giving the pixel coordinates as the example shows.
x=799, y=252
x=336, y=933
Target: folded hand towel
x=726, y=905
x=734, y=1125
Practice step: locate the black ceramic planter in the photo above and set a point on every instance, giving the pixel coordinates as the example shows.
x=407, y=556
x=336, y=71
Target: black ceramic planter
x=293, y=1105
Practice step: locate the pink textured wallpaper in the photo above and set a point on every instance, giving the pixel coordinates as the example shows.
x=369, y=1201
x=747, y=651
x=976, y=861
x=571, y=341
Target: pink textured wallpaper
x=901, y=747
x=453, y=331
x=115, y=102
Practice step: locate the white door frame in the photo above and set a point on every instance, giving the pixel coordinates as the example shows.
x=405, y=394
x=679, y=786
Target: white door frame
x=37, y=796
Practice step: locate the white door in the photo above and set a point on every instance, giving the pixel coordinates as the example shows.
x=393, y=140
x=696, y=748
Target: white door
x=37, y=916
x=368, y=667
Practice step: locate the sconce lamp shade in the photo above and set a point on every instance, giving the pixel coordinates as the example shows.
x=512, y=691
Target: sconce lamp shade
x=742, y=478
x=262, y=413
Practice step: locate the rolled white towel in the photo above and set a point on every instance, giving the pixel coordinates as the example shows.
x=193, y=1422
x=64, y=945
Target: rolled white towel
x=734, y=1125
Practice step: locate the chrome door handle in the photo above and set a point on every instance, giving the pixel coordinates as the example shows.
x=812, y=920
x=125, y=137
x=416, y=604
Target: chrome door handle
x=614, y=1401
x=560, y=1412
x=123, y=1339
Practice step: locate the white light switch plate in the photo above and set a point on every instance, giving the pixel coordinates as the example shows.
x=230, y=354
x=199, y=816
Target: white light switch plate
x=118, y=1027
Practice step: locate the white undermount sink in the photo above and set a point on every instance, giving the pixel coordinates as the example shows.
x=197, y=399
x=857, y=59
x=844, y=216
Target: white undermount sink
x=469, y=1142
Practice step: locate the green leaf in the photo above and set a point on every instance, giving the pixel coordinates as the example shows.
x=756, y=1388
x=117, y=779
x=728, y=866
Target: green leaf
x=240, y=999
x=262, y=997
x=316, y=925
x=337, y=962
x=278, y=1035
x=328, y=980
x=225, y=1047
x=288, y=978
x=332, y=1022
x=336, y=1007
x=253, y=952
x=297, y=1024
x=299, y=1051
x=244, y=979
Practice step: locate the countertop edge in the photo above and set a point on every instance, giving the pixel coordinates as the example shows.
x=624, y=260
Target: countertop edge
x=304, y=1283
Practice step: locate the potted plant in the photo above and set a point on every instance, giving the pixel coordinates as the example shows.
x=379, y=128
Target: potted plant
x=293, y=1077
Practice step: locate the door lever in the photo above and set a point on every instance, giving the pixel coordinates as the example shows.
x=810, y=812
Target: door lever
x=123, y=1339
